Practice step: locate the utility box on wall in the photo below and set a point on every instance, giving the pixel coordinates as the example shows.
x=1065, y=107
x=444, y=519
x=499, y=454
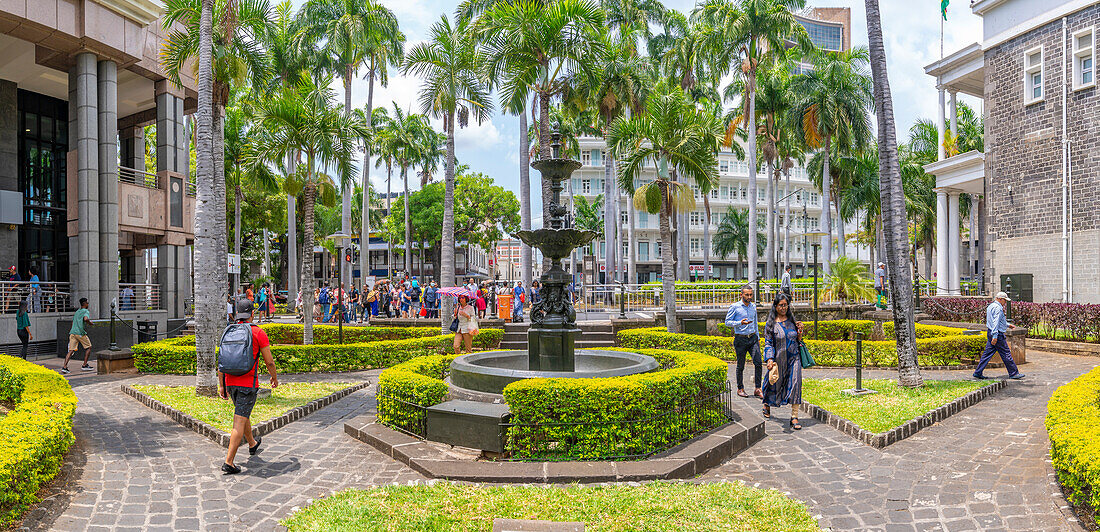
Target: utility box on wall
x=1018, y=286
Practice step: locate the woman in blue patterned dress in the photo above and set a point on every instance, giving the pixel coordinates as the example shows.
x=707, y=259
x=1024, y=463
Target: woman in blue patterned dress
x=782, y=337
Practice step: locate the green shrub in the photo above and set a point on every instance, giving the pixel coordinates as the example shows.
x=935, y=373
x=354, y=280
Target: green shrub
x=936, y=346
x=34, y=435
x=1073, y=420
x=177, y=356
x=406, y=387
x=291, y=333
x=616, y=417
x=846, y=329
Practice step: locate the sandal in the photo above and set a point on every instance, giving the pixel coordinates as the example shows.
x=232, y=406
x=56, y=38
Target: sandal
x=767, y=412
x=252, y=450
x=795, y=424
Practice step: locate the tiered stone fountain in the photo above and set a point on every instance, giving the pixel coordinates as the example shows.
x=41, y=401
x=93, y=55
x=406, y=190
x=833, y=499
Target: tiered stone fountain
x=553, y=330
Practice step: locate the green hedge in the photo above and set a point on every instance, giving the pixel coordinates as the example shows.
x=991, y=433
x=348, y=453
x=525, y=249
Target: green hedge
x=937, y=348
x=616, y=417
x=846, y=329
x=177, y=355
x=34, y=435
x=416, y=382
x=1073, y=420
x=291, y=333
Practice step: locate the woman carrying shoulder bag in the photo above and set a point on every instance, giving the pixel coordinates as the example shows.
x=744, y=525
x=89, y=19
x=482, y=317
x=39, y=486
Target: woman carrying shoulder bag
x=467, y=324
x=782, y=354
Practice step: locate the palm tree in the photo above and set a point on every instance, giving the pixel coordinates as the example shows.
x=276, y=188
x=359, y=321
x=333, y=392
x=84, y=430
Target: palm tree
x=894, y=224
x=403, y=137
x=847, y=282
x=347, y=30
x=536, y=47
x=832, y=107
x=305, y=120
x=676, y=134
x=732, y=235
x=747, y=33
x=587, y=216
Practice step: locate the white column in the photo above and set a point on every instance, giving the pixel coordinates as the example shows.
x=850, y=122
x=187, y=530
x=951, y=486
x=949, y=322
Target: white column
x=954, y=116
x=939, y=128
x=953, y=242
x=941, y=243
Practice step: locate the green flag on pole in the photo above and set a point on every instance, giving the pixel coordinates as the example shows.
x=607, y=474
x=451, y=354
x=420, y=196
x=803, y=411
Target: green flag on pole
x=943, y=8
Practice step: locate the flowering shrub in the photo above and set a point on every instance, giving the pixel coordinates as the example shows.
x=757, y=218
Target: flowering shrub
x=34, y=435
x=1062, y=321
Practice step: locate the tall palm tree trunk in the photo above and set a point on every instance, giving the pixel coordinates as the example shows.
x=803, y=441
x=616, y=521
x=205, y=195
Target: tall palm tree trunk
x=610, y=221
x=237, y=230
x=895, y=225
x=207, y=240
x=389, y=212
x=786, y=216
x=840, y=246
x=544, y=153
x=827, y=208
x=408, y=226
x=364, y=236
x=753, y=260
x=668, y=284
x=769, y=200
x=345, y=194
x=632, y=242
x=525, y=254
x=306, y=273
x=706, y=237
x=291, y=240
x=447, y=245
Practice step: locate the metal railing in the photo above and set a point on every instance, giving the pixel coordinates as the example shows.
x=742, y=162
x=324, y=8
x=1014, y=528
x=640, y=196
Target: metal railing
x=137, y=177
x=697, y=296
x=41, y=296
x=138, y=296
x=191, y=186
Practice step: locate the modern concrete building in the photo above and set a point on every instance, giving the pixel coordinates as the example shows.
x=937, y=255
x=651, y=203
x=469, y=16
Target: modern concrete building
x=79, y=81
x=1037, y=186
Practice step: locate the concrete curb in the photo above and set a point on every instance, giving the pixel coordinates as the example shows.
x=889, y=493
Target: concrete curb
x=882, y=439
x=222, y=438
x=686, y=460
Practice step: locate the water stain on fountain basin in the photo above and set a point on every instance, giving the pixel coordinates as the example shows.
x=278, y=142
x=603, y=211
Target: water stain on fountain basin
x=551, y=338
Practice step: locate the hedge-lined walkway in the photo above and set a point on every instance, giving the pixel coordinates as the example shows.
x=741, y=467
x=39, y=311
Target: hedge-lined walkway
x=983, y=469
x=986, y=468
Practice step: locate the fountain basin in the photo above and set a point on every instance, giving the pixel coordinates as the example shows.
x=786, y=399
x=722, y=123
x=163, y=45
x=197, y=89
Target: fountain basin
x=491, y=371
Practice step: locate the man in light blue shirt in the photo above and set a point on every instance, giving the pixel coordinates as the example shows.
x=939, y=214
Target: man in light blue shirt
x=785, y=284
x=741, y=317
x=997, y=324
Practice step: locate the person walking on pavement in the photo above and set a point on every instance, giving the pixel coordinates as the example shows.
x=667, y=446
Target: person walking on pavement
x=242, y=389
x=430, y=297
x=23, y=328
x=782, y=343
x=880, y=285
x=785, y=285
x=997, y=324
x=518, y=295
x=78, y=337
x=741, y=317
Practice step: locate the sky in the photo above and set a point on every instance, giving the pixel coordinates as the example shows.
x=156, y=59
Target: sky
x=911, y=29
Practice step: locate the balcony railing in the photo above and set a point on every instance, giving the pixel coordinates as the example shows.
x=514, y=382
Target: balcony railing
x=138, y=296
x=137, y=177
x=41, y=296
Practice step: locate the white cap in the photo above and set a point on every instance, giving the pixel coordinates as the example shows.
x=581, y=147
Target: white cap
x=1002, y=295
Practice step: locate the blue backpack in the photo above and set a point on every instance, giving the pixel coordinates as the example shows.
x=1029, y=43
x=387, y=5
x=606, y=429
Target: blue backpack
x=235, y=355
x=323, y=297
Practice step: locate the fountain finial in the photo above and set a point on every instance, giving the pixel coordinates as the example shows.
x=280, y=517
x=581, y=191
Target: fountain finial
x=555, y=144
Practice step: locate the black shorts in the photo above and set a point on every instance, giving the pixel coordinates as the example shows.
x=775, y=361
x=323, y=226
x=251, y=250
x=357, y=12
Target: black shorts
x=243, y=397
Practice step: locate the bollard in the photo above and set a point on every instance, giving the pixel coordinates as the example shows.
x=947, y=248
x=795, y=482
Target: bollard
x=859, y=361
x=622, y=301
x=114, y=344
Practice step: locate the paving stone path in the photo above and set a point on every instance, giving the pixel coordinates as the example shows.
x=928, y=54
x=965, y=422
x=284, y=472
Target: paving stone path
x=986, y=468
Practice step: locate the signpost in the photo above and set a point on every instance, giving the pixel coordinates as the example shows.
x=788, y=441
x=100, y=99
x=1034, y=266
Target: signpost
x=234, y=263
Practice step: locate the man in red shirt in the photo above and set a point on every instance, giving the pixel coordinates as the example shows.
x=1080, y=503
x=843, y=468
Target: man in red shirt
x=242, y=389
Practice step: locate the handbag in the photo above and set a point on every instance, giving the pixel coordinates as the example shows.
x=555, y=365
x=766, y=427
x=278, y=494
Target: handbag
x=773, y=375
x=423, y=312
x=807, y=359
x=454, y=325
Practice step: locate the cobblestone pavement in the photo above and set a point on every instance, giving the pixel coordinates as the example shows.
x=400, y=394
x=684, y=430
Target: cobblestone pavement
x=985, y=468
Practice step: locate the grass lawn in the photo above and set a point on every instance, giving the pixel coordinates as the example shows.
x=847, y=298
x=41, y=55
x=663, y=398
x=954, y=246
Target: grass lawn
x=892, y=406
x=219, y=413
x=655, y=506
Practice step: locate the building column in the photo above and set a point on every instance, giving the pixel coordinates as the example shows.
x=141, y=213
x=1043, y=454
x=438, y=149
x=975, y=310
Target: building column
x=939, y=128
x=9, y=167
x=132, y=147
x=84, y=139
x=108, y=185
x=942, y=273
x=954, y=116
x=173, y=262
x=953, y=243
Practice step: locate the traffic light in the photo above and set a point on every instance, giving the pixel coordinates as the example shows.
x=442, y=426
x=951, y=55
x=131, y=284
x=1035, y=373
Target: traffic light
x=347, y=255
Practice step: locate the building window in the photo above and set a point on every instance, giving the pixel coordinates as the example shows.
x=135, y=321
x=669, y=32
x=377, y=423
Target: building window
x=603, y=246
x=643, y=251
x=1033, y=75
x=623, y=218
x=657, y=249
x=696, y=218
x=597, y=157
x=626, y=251
x=586, y=158
x=696, y=247
x=643, y=220
x=724, y=167
x=1084, y=55
x=586, y=186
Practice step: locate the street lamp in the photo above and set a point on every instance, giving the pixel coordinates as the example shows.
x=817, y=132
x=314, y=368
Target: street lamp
x=817, y=245
x=339, y=238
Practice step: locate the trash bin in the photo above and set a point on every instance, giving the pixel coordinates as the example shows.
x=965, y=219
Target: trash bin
x=504, y=307
x=694, y=326
x=146, y=331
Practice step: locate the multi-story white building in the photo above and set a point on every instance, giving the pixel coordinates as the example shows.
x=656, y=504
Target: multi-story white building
x=733, y=191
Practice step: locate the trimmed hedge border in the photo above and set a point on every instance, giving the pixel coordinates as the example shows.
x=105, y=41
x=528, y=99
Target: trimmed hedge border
x=406, y=389
x=177, y=355
x=880, y=440
x=937, y=347
x=1072, y=422
x=34, y=435
x=222, y=438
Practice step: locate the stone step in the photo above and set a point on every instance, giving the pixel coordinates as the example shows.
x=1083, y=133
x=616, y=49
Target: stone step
x=513, y=345
x=594, y=343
